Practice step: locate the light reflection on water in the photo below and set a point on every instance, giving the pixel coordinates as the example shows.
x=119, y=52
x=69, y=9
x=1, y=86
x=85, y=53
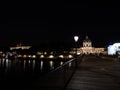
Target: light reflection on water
x=33, y=65
x=70, y=64
x=39, y=66
x=25, y=71
x=51, y=65
x=61, y=63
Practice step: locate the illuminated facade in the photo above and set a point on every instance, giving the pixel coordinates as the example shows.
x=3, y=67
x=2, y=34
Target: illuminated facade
x=114, y=49
x=87, y=48
x=20, y=47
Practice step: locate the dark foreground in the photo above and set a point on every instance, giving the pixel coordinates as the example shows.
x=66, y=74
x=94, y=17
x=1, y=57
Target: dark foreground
x=96, y=74
x=93, y=73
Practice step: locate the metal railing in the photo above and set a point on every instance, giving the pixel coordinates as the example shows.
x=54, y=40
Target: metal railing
x=58, y=78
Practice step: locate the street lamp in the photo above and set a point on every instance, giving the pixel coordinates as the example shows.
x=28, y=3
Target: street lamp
x=76, y=40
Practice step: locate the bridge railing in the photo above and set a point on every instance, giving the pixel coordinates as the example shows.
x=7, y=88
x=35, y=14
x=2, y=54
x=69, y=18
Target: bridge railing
x=58, y=78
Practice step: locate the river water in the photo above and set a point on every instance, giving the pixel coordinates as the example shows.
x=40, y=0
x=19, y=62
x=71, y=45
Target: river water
x=21, y=73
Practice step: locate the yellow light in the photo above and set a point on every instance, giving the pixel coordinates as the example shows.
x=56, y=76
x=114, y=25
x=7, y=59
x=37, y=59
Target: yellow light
x=29, y=56
x=19, y=55
x=39, y=53
x=51, y=56
x=34, y=56
x=70, y=56
x=3, y=55
x=24, y=56
x=45, y=53
x=42, y=56
x=61, y=56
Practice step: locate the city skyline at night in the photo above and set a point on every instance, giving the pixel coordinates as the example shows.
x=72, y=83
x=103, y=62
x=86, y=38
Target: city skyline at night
x=37, y=36
x=60, y=45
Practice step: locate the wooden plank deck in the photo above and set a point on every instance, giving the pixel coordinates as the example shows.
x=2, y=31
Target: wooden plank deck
x=96, y=74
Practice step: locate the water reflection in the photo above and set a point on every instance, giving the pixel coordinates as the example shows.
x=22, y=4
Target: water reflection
x=24, y=64
x=29, y=61
x=70, y=64
x=41, y=65
x=31, y=66
x=51, y=65
x=6, y=65
x=61, y=63
x=3, y=61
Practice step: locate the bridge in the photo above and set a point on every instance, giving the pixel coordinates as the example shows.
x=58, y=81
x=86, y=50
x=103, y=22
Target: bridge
x=91, y=73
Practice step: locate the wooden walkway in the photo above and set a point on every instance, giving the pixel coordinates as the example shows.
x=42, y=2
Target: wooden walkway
x=96, y=74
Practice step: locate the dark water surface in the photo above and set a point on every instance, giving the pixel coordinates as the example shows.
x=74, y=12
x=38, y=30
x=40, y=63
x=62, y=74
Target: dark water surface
x=19, y=73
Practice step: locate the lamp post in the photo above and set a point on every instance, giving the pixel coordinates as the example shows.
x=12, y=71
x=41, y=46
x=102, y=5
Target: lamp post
x=76, y=40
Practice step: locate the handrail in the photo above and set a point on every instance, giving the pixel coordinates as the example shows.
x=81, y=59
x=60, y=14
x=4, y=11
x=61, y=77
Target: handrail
x=58, y=78
x=62, y=65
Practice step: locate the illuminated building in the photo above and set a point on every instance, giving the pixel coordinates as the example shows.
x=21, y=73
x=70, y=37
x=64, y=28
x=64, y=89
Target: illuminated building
x=20, y=47
x=114, y=49
x=87, y=48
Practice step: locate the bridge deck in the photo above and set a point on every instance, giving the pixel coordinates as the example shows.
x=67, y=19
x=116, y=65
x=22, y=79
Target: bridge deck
x=96, y=74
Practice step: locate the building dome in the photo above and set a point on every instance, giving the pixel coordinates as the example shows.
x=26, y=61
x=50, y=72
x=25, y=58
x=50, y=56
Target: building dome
x=87, y=42
x=87, y=39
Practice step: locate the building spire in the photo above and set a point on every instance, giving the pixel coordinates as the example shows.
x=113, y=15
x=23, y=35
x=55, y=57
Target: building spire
x=86, y=37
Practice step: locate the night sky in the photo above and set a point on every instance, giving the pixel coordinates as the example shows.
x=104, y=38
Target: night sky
x=58, y=23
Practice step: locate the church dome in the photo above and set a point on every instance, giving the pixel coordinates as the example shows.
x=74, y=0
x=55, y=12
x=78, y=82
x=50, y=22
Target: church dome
x=87, y=39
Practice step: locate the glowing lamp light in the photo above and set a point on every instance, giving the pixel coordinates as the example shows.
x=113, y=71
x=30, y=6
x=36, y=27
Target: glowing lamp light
x=45, y=53
x=24, y=56
x=42, y=56
x=29, y=56
x=76, y=38
x=34, y=56
x=61, y=56
x=19, y=55
x=70, y=56
x=51, y=56
x=78, y=53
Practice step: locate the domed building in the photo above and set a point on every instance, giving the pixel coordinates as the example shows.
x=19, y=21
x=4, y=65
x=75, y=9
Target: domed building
x=87, y=48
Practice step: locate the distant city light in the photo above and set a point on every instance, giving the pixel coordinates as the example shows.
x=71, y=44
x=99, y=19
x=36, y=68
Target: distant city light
x=78, y=53
x=61, y=56
x=34, y=56
x=41, y=56
x=114, y=49
x=24, y=56
x=51, y=56
x=70, y=56
x=45, y=53
x=29, y=56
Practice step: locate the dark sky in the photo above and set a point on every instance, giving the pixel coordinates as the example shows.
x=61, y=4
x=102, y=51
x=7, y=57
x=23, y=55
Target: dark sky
x=58, y=23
